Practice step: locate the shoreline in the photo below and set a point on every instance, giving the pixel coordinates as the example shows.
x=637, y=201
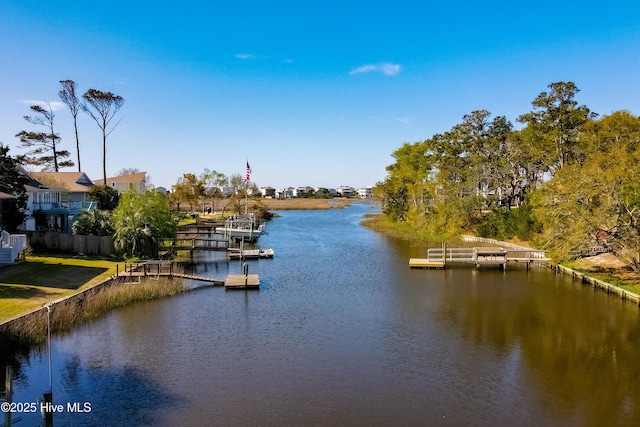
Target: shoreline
x=408, y=233
x=28, y=330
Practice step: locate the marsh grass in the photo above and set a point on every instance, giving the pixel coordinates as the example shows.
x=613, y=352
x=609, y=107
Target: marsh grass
x=306, y=204
x=401, y=230
x=86, y=306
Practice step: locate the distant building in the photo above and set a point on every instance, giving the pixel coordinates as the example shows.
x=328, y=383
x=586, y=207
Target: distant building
x=284, y=193
x=345, y=191
x=268, y=192
x=365, y=192
x=136, y=181
x=301, y=191
x=227, y=191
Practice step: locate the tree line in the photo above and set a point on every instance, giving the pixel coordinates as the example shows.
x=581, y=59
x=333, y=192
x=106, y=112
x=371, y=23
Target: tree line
x=567, y=180
x=139, y=220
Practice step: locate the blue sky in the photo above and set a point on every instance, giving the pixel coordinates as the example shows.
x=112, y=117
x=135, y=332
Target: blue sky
x=311, y=94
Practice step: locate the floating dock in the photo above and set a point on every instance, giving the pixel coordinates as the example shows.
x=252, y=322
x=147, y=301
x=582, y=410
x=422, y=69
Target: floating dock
x=425, y=263
x=240, y=281
x=243, y=254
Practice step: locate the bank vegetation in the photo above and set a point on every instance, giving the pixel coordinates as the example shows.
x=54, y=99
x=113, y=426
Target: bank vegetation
x=31, y=330
x=568, y=180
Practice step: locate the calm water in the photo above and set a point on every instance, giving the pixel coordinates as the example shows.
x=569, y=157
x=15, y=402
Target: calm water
x=342, y=332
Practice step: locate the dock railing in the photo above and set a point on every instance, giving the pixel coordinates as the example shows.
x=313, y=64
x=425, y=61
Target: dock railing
x=450, y=255
x=470, y=255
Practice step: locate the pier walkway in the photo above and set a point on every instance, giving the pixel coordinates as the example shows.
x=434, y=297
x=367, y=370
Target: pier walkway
x=194, y=243
x=496, y=256
x=155, y=269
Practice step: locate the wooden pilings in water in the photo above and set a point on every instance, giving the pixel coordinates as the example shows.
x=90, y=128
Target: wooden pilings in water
x=8, y=392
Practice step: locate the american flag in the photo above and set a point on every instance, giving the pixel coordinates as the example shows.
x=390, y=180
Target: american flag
x=247, y=176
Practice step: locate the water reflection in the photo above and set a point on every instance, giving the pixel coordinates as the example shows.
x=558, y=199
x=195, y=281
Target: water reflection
x=342, y=332
x=579, y=345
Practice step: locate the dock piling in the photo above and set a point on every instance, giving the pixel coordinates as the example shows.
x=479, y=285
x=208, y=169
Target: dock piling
x=8, y=391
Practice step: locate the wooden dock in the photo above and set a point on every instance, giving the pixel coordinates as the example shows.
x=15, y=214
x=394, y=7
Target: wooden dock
x=155, y=269
x=243, y=254
x=193, y=243
x=240, y=281
x=489, y=256
x=159, y=268
x=425, y=263
x=480, y=256
x=215, y=282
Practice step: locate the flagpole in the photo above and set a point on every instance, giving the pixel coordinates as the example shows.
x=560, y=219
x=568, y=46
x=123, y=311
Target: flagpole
x=246, y=190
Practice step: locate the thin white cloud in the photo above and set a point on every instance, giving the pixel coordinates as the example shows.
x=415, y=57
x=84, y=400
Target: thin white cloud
x=405, y=120
x=246, y=56
x=386, y=68
x=55, y=105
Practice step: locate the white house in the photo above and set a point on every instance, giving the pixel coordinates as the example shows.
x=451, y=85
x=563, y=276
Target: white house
x=301, y=191
x=284, y=193
x=267, y=191
x=365, y=192
x=345, y=191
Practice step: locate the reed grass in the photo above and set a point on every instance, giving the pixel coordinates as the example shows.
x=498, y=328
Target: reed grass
x=306, y=204
x=401, y=230
x=86, y=306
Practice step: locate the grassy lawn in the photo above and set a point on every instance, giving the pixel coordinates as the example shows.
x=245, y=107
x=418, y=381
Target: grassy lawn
x=40, y=279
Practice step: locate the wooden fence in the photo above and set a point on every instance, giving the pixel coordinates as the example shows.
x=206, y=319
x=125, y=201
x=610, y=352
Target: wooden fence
x=71, y=243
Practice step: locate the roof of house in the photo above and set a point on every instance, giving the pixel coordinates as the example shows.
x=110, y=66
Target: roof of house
x=72, y=181
x=134, y=178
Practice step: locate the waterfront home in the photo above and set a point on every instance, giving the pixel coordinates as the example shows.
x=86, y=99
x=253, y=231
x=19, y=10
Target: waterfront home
x=284, y=193
x=301, y=191
x=58, y=196
x=136, y=181
x=345, y=191
x=365, y=192
x=267, y=191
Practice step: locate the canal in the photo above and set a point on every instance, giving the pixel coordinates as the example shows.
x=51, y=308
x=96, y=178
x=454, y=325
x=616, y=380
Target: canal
x=342, y=332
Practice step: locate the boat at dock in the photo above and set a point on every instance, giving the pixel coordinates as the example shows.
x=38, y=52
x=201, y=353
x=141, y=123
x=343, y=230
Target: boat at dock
x=266, y=253
x=235, y=253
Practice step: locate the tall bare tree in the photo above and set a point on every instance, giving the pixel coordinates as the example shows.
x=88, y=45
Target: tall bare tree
x=105, y=105
x=69, y=97
x=42, y=143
